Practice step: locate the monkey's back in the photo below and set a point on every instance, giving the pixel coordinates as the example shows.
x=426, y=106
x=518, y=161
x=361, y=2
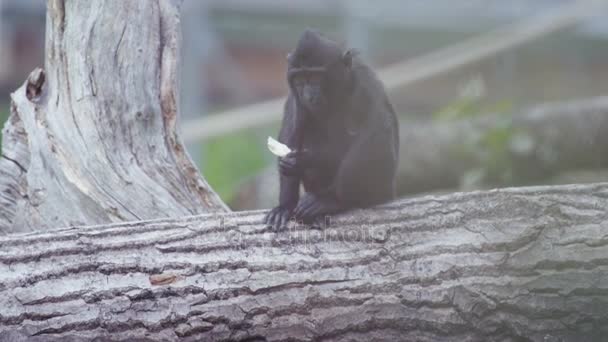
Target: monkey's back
x=364, y=128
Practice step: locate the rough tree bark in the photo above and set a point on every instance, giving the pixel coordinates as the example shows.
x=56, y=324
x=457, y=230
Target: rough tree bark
x=92, y=138
x=528, y=264
x=543, y=142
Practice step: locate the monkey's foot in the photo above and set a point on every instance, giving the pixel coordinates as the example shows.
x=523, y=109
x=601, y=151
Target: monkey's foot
x=278, y=217
x=313, y=210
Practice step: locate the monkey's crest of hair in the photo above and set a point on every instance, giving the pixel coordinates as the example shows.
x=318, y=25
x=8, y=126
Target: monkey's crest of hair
x=315, y=48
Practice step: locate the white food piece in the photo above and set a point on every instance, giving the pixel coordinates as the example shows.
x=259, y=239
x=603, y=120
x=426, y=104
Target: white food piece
x=277, y=148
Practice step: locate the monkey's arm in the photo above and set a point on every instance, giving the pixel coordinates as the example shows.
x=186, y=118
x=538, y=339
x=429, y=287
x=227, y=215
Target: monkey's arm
x=288, y=199
x=296, y=162
x=289, y=184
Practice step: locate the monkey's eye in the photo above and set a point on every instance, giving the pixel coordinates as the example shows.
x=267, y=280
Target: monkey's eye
x=309, y=78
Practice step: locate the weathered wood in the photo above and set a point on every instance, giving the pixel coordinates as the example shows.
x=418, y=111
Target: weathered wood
x=544, y=141
x=527, y=264
x=92, y=138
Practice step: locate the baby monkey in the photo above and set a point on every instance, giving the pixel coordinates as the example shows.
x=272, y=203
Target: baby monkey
x=342, y=132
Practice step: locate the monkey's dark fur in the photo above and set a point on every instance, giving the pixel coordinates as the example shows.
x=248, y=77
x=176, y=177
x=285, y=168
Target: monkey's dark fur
x=343, y=133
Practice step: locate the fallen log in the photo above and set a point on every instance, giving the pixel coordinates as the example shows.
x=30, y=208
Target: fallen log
x=520, y=264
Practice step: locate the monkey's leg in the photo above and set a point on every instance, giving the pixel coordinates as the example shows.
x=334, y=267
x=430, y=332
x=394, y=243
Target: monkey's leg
x=367, y=174
x=288, y=199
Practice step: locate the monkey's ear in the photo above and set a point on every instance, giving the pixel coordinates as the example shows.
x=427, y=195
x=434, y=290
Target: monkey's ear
x=347, y=57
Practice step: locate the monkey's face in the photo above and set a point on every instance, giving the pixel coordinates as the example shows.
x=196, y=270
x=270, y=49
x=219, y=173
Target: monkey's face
x=315, y=86
x=308, y=88
x=317, y=72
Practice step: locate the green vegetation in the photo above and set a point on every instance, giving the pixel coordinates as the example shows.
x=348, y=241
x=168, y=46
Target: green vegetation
x=490, y=151
x=230, y=159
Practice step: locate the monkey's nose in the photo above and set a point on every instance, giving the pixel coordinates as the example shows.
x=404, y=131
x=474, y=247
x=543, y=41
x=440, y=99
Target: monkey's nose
x=311, y=98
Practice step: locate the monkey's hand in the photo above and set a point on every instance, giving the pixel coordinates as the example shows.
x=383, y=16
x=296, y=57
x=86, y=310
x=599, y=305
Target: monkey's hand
x=294, y=163
x=278, y=217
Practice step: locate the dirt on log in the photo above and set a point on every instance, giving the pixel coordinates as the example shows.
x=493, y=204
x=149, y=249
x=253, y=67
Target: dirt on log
x=521, y=264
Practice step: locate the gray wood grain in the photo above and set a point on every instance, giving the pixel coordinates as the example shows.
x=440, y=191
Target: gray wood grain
x=92, y=138
x=521, y=264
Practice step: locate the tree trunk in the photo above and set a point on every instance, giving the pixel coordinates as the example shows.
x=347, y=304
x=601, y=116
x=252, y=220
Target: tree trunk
x=528, y=264
x=92, y=137
x=534, y=146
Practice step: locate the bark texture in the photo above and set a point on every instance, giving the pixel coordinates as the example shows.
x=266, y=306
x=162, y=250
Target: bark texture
x=92, y=137
x=528, y=264
x=533, y=146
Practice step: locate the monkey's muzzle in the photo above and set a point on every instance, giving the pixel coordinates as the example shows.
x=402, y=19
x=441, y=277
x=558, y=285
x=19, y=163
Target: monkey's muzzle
x=307, y=85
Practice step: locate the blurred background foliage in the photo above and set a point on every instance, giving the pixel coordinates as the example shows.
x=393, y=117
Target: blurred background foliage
x=226, y=166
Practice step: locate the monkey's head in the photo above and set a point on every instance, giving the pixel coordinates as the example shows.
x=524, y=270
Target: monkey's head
x=318, y=71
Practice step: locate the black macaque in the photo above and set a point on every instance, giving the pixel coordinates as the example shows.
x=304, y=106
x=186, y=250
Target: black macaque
x=342, y=131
